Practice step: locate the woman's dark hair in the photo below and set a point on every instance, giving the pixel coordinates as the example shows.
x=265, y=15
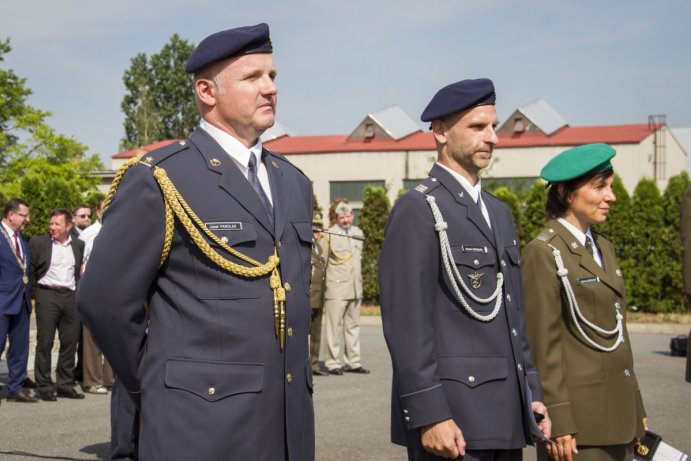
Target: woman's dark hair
x=560, y=193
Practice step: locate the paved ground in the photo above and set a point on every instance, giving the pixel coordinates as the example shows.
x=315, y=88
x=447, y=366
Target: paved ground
x=352, y=412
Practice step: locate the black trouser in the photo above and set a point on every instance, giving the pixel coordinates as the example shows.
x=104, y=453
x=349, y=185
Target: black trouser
x=470, y=455
x=56, y=310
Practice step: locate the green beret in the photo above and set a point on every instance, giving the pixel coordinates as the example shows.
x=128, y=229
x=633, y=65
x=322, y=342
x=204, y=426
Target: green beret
x=578, y=161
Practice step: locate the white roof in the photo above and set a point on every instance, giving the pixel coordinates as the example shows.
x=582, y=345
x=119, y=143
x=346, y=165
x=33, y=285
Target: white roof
x=395, y=121
x=543, y=116
x=277, y=131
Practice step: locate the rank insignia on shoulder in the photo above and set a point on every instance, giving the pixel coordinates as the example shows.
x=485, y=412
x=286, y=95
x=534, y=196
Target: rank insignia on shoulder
x=148, y=160
x=542, y=237
x=215, y=162
x=421, y=188
x=182, y=143
x=550, y=230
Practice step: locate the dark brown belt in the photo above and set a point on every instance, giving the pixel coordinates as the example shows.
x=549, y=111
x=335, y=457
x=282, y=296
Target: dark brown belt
x=58, y=289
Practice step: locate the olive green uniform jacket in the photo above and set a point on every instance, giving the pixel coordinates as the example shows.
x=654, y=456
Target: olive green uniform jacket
x=590, y=393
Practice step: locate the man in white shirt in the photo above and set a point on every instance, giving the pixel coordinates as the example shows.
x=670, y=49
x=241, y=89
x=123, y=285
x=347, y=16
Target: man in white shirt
x=56, y=263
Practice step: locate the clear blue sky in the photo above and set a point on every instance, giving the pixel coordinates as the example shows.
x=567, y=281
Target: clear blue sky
x=594, y=62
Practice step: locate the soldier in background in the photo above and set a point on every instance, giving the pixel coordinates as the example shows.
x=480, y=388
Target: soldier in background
x=343, y=296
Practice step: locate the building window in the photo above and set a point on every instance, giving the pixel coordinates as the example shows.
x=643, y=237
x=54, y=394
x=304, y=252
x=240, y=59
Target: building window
x=410, y=183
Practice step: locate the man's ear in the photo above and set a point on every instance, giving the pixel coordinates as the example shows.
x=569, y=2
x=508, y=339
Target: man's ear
x=439, y=131
x=205, y=90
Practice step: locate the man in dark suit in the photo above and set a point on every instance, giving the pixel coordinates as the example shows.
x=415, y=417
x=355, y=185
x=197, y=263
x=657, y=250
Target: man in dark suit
x=219, y=363
x=452, y=302
x=15, y=297
x=56, y=263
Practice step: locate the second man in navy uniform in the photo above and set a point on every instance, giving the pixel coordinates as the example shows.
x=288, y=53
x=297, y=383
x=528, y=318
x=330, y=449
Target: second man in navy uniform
x=452, y=301
x=219, y=363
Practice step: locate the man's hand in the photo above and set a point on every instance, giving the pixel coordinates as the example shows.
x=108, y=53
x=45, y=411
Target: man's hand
x=546, y=424
x=562, y=448
x=443, y=439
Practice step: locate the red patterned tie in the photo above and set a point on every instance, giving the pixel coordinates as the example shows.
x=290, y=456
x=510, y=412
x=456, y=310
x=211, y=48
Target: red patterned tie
x=16, y=246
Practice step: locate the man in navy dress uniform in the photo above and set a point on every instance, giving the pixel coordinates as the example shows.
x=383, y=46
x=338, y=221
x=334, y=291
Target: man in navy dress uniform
x=452, y=302
x=213, y=234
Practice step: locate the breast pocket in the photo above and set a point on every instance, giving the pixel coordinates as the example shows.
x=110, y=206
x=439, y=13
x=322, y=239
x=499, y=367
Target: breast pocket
x=478, y=269
x=213, y=282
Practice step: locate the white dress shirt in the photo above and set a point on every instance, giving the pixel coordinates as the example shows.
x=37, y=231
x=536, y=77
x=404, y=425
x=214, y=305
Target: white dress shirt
x=240, y=154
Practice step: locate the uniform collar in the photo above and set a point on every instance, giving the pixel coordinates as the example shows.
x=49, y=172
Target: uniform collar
x=473, y=191
x=580, y=236
x=231, y=145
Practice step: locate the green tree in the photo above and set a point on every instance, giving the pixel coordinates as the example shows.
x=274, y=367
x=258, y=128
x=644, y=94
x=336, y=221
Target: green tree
x=672, y=285
x=159, y=103
x=511, y=200
x=46, y=169
x=375, y=212
x=533, y=218
x=644, y=266
x=617, y=227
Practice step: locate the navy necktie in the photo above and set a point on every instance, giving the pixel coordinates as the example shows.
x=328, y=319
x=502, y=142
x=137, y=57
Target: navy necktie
x=254, y=180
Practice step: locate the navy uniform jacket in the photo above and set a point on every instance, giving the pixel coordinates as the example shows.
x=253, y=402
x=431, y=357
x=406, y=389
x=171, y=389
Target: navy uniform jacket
x=205, y=361
x=447, y=364
x=12, y=287
x=588, y=392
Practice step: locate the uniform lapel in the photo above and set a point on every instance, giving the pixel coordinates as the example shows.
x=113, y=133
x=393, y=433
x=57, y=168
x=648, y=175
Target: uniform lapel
x=463, y=198
x=496, y=228
x=585, y=259
x=279, y=192
x=612, y=272
x=232, y=180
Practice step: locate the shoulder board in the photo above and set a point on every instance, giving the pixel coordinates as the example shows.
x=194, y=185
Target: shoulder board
x=546, y=235
x=155, y=157
x=277, y=159
x=427, y=185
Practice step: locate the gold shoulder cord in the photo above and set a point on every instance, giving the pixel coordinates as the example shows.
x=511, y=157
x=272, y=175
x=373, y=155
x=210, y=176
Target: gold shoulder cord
x=336, y=258
x=176, y=206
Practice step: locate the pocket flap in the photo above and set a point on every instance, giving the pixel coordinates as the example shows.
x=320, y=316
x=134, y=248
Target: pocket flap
x=473, y=259
x=472, y=370
x=214, y=381
x=304, y=231
x=514, y=254
x=233, y=232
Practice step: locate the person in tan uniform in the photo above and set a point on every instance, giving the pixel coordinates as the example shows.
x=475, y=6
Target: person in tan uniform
x=576, y=312
x=317, y=294
x=343, y=294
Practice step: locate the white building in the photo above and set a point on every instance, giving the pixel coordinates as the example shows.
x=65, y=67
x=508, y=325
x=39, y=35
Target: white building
x=388, y=148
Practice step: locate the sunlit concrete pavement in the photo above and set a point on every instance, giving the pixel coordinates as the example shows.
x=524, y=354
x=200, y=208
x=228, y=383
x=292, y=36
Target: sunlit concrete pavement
x=352, y=411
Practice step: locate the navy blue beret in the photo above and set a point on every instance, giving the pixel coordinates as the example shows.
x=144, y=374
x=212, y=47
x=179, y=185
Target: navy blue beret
x=229, y=43
x=459, y=96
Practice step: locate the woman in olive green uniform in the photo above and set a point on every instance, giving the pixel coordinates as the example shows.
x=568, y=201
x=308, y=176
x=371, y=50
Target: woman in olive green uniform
x=576, y=309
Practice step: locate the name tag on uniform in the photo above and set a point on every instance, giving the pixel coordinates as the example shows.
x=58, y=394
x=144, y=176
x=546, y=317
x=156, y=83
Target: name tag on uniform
x=223, y=226
x=588, y=280
x=469, y=249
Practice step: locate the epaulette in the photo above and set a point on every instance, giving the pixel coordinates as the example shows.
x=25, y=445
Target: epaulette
x=155, y=157
x=546, y=235
x=427, y=185
x=278, y=157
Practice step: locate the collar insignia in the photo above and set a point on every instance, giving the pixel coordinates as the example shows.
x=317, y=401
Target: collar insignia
x=215, y=162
